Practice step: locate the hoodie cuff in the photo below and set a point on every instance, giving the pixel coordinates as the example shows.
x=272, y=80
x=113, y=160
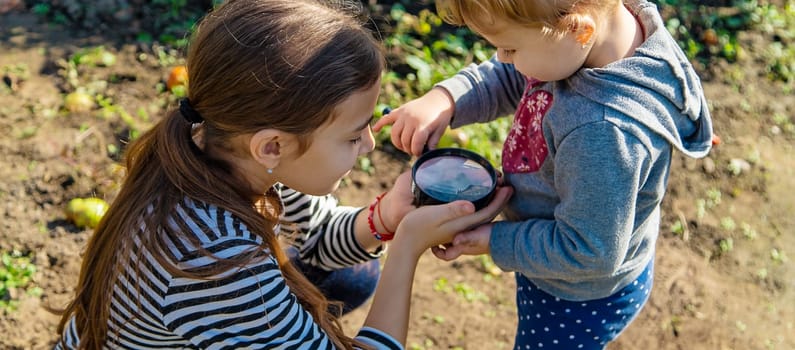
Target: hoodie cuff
x=501, y=245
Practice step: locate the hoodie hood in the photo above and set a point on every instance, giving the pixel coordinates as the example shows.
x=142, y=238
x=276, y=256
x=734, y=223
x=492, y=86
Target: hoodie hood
x=665, y=90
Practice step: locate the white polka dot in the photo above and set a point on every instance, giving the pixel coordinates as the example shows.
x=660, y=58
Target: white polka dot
x=562, y=325
x=527, y=346
x=538, y=315
x=543, y=301
x=595, y=338
x=571, y=336
x=578, y=321
x=631, y=300
x=593, y=312
x=523, y=333
x=557, y=299
x=552, y=313
x=583, y=304
x=546, y=329
x=618, y=312
x=609, y=304
x=540, y=345
x=646, y=292
x=524, y=302
x=554, y=341
x=635, y=283
x=623, y=317
x=568, y=310
x=604, y=321
x=602, y=343
x=531, y=302
x=623, y=294
x=532, y=331
x=641, y=287
x=637, y=306
x=587, y=330
x=579, y=346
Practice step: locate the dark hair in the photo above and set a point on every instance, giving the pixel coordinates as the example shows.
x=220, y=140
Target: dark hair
x=252, y=64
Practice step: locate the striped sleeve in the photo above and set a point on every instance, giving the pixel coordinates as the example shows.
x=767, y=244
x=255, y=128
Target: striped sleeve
x=378, y=339
x=323, y=231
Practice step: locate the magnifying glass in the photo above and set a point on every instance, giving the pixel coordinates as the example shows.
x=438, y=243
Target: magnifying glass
x=444, y=175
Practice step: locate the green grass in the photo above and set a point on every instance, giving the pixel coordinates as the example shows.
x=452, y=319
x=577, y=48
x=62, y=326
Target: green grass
x=16, y=274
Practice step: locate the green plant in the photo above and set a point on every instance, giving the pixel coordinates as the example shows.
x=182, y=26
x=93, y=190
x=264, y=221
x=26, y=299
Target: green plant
x=677, y=228
x=726, y=245
x=778, y=256
x=94, y=56
x=706, y=32
x=16, y=273
x=470, y=294
x=778, y=22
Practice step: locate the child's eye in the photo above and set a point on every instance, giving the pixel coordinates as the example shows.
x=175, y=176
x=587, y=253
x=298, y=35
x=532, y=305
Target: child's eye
x=356, y=140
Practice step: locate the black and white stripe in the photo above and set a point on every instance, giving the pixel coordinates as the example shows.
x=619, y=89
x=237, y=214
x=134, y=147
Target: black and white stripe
x=322, y=230
x=248, y=307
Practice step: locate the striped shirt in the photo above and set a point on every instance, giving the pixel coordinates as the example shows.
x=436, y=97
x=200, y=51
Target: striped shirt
x=249, y=307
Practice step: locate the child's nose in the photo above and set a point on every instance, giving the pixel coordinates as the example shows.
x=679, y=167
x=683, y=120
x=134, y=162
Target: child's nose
x=368, y=142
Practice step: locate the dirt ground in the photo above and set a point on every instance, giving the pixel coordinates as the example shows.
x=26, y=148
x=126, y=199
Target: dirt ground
x=723, y=279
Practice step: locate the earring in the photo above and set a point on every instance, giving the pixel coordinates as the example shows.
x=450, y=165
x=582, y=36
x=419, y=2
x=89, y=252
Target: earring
x=270, y=170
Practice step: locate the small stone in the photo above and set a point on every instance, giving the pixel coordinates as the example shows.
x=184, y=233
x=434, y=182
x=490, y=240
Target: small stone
x=708, y=165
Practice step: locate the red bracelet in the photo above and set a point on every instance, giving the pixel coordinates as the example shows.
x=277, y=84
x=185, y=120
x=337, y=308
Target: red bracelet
x=383, y=223
x=379, y=236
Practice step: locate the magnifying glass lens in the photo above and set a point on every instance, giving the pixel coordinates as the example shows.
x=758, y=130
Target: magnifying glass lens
x=449, y=174
x=450, y=178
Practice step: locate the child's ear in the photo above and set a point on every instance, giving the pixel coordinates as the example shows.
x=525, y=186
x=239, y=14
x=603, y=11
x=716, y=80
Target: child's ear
x=584, y=30
x=265, y=147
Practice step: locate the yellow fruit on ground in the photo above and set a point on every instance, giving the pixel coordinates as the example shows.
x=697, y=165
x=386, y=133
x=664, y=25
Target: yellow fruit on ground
x=86, y=212
x=177, y=77
x=78, y=102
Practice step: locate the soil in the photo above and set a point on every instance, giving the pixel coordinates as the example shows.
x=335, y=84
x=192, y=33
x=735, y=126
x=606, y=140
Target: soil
x=723, y=279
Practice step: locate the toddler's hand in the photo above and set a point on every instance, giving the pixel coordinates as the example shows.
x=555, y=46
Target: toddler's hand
x=419, y=122
x=473, y=242
x=433, y=225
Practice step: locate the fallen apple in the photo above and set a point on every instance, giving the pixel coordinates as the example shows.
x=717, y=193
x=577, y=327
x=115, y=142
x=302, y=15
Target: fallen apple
x=86, y=212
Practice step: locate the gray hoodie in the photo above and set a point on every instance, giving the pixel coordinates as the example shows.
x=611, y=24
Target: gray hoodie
x=584, y=222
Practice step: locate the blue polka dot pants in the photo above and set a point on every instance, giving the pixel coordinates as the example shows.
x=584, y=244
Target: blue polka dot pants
x=548, y=322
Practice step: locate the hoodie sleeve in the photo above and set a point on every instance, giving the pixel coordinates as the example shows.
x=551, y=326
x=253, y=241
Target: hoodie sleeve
x=484, y=92
x=599, y=168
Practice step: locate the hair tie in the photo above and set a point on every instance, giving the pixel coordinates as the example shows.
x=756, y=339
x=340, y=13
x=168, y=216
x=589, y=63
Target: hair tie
x=188, y=112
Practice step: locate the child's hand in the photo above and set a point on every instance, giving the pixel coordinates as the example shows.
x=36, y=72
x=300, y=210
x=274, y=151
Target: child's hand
x=474, y=242
x=434, y=225
x=419, y=122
